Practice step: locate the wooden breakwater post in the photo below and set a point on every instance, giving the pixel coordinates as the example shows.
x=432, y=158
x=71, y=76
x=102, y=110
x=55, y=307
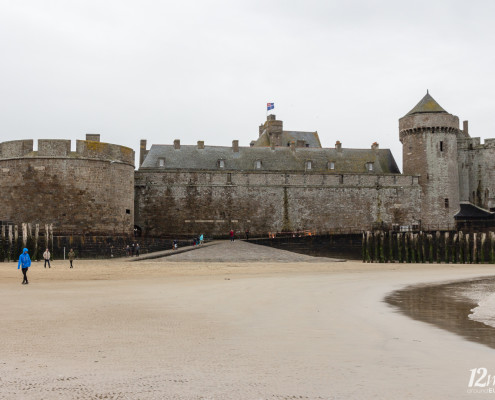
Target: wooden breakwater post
x=453, y=253
x=421, y=247
x=482, y=248
x=381, y=244
x=492, y=247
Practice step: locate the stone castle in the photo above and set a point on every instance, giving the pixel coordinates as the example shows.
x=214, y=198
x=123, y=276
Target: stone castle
x=283, y=182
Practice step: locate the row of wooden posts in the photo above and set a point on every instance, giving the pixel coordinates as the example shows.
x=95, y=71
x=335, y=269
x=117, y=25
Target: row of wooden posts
x=429, y=247
x=12, y=241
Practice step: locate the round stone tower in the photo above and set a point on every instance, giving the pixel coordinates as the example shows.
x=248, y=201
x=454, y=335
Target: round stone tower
x=429, y=144
x=89, y=191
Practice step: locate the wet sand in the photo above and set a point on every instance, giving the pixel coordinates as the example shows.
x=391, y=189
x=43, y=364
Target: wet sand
x=227, y=329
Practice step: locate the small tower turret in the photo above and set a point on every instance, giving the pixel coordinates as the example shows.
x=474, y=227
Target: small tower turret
x=274, y=129
x=429, y=143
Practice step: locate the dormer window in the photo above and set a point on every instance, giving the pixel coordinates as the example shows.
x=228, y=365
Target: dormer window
x=370, y=166
x=161, y=162
x=257, y=164
x=309, y=164
x=221, y=163
x=331, y=165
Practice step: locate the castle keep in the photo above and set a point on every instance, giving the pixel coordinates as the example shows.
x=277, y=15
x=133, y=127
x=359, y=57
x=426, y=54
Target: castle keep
x=283, y=182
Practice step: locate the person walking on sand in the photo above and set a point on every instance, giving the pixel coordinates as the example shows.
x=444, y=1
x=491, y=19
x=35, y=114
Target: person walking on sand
x=72, y=256
x=25, y=263
x=46, y=257
x=201, y=239
x=137, y=250
x=231, y=235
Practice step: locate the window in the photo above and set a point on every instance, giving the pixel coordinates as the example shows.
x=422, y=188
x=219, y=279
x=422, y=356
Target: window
x=446, y=203
x=127, y=211
x=221, y=163
x=441, y=146
x=341, y=179
x=309, y=164
x=229, y=178
x=257, y=164
x=331, y=165
x=369, y=166
x=161, y=162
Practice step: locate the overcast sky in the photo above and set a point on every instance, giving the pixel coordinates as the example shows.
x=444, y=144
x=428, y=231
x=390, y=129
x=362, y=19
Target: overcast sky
x=204, y=70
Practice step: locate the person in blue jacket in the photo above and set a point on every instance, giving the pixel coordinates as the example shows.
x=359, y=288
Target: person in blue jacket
x=25, y=263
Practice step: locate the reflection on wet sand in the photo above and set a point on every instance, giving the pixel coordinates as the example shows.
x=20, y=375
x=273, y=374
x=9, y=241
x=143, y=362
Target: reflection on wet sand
x=446, y=306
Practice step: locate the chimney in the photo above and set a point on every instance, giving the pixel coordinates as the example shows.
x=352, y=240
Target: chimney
x=375, y=146
x=465, y=127
x=300, y=143
x=261, y=129
x=142, y=151
x=201, y=144
x=235, y=146
x=338, y=145
x=94, y=137
x=293, y=146
x=271, y=117
x=177, y=144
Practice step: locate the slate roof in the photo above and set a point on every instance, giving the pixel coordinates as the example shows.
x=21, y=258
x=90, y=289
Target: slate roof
x=427, y=105
x=470, y=211
x=280, y=159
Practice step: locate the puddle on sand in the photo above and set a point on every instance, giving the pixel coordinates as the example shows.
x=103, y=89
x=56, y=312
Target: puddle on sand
x=447, y=306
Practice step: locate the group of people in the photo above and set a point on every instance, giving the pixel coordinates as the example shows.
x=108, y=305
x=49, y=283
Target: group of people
x=198, y=240
x=132, y=250
x=25, y=262
x=232, y=235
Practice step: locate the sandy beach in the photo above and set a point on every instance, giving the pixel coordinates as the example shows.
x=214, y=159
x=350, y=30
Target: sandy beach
x=230, y=327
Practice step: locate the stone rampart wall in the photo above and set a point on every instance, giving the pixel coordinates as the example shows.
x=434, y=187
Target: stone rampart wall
x=476, y=163
x=212, y=203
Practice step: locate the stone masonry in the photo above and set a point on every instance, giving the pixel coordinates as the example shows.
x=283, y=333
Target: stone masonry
x=89, y=191
x=189, y=203
x=283, y=182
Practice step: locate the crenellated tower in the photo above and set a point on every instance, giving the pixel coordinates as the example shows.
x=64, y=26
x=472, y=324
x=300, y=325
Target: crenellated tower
x=87, y=191
x=428, y=135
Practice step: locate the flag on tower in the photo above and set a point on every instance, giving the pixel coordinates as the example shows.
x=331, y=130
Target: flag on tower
x=270, y=106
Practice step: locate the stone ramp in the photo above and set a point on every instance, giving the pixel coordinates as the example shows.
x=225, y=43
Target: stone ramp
x=240, y=251
x=171, y=252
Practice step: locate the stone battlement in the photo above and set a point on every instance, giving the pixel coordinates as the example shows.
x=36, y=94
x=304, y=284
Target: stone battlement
x=56, y=148
x=475, y=144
